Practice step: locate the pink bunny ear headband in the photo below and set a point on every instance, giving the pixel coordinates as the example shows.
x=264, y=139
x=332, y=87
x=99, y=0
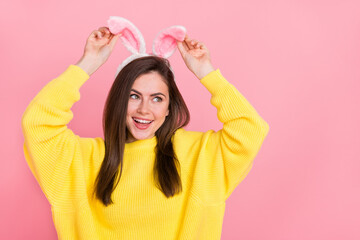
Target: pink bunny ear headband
x=164, y=44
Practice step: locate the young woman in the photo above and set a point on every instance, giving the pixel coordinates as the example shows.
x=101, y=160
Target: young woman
x=148, y=178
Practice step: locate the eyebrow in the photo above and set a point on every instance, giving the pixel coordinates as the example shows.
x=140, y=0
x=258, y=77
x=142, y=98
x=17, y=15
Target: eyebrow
x=154, y=94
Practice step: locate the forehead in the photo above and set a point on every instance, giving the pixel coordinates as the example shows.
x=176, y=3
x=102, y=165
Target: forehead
x=150, y=83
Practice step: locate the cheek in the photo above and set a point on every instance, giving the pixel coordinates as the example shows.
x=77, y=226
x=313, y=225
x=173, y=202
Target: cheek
x=162, y=112
x=131, y=108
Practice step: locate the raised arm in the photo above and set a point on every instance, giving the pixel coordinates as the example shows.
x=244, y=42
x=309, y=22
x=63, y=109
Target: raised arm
x=52, y=151
x=225, y=157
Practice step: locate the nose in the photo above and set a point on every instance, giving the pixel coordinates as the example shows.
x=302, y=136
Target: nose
x=143, y=108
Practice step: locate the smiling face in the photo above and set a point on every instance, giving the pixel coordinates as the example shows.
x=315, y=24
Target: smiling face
x=148, y=106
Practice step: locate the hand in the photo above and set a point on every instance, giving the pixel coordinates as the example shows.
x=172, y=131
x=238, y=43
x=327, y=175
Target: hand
x=98, y=48
x=100, y=44
x=196, y=56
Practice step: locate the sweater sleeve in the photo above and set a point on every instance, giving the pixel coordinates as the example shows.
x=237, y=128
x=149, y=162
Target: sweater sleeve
x=59, y=159
x=225, y=157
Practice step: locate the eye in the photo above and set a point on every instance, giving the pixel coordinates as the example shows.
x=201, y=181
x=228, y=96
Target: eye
x=157, y=99
x=134, y=96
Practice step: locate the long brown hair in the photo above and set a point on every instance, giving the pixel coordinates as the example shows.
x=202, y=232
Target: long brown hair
x=115, y=130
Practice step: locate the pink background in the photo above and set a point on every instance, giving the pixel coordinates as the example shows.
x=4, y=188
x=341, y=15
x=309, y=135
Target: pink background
x=296, y=61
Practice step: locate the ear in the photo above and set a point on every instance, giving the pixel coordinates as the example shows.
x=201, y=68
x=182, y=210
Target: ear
x=165, y=42
x=131, y=37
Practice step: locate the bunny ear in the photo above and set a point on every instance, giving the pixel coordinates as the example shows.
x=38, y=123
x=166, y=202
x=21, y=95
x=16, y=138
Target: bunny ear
x=131, y=37
x=165, y=42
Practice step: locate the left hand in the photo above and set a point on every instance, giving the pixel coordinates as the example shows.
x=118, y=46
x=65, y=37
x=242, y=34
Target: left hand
x=196, y=56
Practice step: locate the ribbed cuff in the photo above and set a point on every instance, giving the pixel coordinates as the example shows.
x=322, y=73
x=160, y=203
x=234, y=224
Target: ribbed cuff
x=214, y=81
x=75, y=76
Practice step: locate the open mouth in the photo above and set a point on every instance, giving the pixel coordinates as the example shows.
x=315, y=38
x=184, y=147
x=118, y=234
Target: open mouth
x=142, y=123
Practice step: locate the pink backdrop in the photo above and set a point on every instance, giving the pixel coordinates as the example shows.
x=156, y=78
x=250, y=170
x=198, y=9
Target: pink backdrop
x=296, y=61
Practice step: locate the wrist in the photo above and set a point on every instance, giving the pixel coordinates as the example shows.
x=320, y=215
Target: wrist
x=88, y=64
x=205, y=70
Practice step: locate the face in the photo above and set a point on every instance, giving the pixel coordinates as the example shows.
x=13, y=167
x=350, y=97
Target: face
x=148, y=106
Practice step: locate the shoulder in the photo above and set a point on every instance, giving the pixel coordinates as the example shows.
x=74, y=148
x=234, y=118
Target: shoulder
x=93, y=151
x=185, y=139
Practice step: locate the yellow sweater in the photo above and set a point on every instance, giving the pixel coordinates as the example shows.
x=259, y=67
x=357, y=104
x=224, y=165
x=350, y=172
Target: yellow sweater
x=66, y=165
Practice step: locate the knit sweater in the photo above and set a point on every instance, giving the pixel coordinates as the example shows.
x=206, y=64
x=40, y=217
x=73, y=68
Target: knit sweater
x=212, y=164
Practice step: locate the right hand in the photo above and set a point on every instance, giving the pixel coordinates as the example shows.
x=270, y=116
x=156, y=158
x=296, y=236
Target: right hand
x=98, y=48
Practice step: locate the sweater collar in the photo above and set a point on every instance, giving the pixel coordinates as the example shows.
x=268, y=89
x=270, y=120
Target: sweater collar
x=144, y=143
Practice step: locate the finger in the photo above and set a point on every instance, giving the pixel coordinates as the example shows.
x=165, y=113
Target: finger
x=190, y=46
x=187, y=42
x=197, y=52
x=104, y=29
x=201, y=45
x=94, y=34
x=113, y=41
x=107, y=31
x=181, y=47
x=194, y=43
x=98, y=34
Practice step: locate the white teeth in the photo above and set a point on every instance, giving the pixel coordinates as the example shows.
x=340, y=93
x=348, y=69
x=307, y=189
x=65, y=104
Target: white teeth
x=141, y=121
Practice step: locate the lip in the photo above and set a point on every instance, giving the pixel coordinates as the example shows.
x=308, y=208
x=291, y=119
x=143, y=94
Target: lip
x=142, y=126
x=142, y=118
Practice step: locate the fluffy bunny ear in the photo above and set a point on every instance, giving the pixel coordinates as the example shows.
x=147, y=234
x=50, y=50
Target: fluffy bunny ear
x=165, y=42
x=131, y=37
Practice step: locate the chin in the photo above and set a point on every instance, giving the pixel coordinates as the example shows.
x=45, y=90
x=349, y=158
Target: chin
x=134, y=135
x=142, y=137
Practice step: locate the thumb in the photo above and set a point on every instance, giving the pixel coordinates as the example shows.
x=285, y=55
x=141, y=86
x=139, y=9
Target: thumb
x=181, y=48
x=113, y=41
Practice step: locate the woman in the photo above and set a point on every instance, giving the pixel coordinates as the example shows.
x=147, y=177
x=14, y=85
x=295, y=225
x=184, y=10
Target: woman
x=149, y=178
